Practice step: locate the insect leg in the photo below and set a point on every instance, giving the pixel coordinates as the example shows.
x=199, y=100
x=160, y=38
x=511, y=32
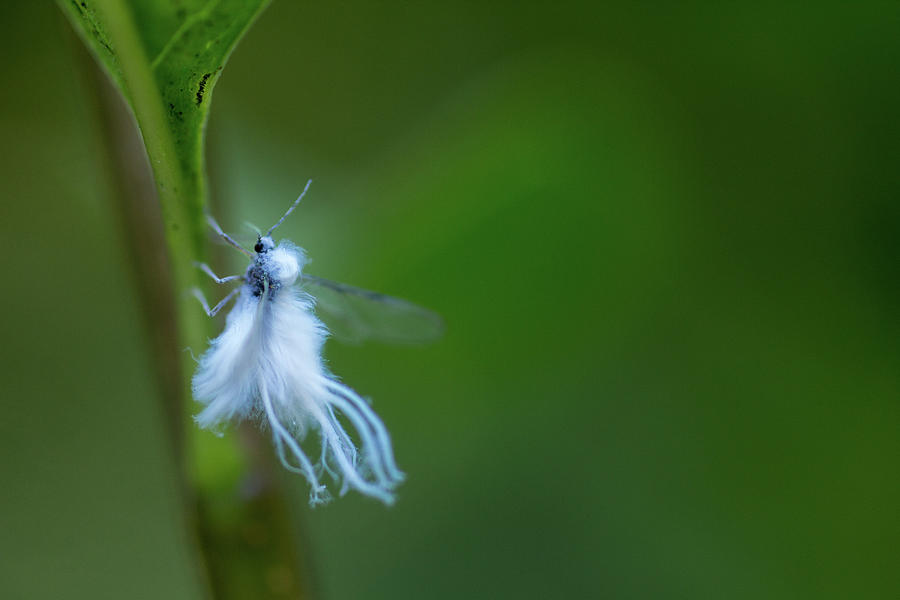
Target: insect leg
x=215, y=309
x=205, y=268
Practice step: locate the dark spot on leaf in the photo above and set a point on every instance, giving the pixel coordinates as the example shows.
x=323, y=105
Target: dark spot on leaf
x=177, y=114
x=202, y=87
x=103, y=43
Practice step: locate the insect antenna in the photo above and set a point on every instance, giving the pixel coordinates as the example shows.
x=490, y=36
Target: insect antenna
x=255, y=229
x=290, y=210
x=225, y=236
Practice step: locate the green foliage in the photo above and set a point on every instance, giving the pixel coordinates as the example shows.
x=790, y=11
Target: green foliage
x=166, y=57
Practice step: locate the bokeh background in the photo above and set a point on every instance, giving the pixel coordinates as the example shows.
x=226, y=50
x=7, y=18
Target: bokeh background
x=664, y=240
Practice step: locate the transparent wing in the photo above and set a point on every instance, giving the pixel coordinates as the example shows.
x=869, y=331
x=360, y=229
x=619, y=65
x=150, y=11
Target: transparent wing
x=355, y=315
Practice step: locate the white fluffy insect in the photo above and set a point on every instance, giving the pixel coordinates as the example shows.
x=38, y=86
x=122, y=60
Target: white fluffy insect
x=267, y=365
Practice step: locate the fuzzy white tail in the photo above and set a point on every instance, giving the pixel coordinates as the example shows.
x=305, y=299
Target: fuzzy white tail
x=371, y=470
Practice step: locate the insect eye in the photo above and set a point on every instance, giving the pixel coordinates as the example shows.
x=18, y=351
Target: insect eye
x=258, y=247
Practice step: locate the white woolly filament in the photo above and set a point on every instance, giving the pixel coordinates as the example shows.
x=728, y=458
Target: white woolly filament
x=385, y=449
x=281, y=437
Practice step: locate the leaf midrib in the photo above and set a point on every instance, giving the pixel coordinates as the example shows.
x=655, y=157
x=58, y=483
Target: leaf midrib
x=189, y=22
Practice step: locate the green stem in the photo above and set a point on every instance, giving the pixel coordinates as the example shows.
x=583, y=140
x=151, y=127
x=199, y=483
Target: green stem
x=234, y=503
x=180, y=199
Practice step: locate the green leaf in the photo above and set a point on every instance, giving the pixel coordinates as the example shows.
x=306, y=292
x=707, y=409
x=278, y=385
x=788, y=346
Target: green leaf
x=166, y=56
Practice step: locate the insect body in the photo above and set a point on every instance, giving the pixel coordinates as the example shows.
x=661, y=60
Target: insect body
x=267, y=365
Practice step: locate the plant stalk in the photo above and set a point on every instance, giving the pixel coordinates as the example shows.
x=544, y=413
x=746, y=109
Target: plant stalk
x=238, y=517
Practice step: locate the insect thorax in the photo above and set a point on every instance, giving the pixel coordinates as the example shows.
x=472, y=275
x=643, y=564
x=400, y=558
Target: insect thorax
x=278, y=267
x=257, y=276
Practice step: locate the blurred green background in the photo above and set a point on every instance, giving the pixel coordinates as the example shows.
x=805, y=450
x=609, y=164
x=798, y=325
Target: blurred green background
x=664, y=240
